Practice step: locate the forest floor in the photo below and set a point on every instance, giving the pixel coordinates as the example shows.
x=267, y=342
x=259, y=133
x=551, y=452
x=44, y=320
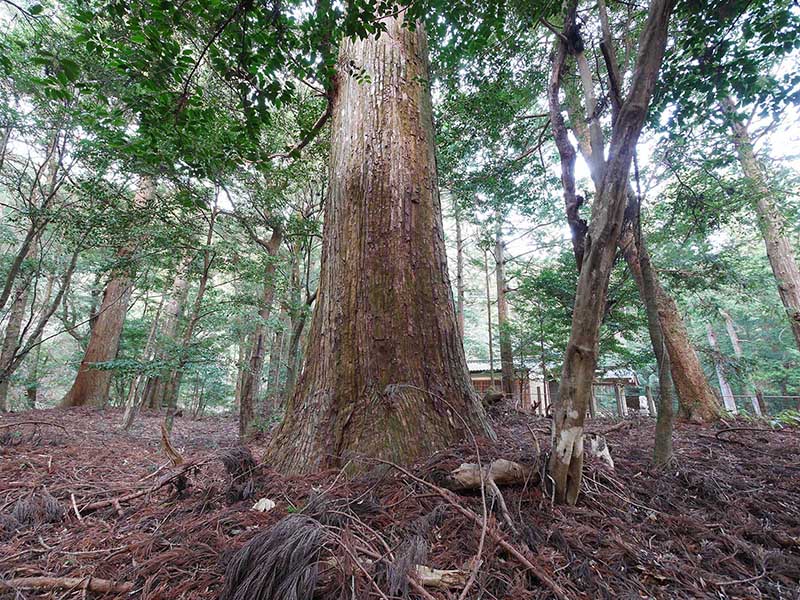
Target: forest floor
x=81, y=499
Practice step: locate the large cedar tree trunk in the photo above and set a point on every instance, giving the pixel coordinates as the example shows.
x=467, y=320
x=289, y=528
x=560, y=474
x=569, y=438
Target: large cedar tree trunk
x=91, y=385
x=385, y=374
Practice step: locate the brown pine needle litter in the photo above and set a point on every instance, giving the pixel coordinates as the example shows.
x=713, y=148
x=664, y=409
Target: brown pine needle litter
x=722, y=522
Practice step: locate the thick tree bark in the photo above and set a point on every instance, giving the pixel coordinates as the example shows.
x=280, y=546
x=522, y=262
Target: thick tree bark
x=251, y=376
x=724, y=387
x=779, y=249
x=506, y=354
x=91, y=385
x=385, y=374
x=580, y=361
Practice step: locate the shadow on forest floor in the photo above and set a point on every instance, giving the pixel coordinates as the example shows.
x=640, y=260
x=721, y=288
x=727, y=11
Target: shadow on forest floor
x=722, y=522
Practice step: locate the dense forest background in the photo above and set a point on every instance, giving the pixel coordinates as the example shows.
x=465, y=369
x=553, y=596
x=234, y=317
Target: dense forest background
x=132, y=155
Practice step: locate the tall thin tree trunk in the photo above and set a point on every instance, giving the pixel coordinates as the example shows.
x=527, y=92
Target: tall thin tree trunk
x=241, y=366
x=172, y=386
x=91, y=386
x=132, y=403
x=385, y=374
x=173, y=310
x=737, y=351
x=779, y=249
x=724, y=387
x=251, y=376
x=506, y=355
x=638, y=262
x=580, y=360
x=459, y=270
x=489, y=315
x=11, y=339
x=277, y=357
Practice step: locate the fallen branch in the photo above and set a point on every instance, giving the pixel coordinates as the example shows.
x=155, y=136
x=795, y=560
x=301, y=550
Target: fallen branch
x=91, y=584
x=502, y=472
x=161, y=482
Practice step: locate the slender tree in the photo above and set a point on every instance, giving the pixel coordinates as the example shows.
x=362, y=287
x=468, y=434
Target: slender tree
x=506, y=353
x=580, y=361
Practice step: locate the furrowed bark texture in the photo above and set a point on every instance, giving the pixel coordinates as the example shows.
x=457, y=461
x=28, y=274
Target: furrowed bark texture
x=91, y=385
x=385, y=374
x=580, y=360
x=779, y=249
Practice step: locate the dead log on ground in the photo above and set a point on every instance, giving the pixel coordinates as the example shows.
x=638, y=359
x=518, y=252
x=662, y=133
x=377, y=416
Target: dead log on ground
x=501, y=472
x=91, y=584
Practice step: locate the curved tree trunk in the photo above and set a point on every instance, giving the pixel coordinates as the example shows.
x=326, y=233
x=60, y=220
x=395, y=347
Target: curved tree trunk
x=385, y=374
x=697, y=401
x=684, y=371
x=91, y=385
x=779, y=250
x=580, y=360
x=645, y=278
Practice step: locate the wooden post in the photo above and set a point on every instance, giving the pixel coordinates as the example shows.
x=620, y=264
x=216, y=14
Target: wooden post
x=593, y=405
x=651, y=405
x=620, y=398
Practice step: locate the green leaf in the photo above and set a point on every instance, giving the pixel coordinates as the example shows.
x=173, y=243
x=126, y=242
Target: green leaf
x=71, y=69
x=36, y=9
